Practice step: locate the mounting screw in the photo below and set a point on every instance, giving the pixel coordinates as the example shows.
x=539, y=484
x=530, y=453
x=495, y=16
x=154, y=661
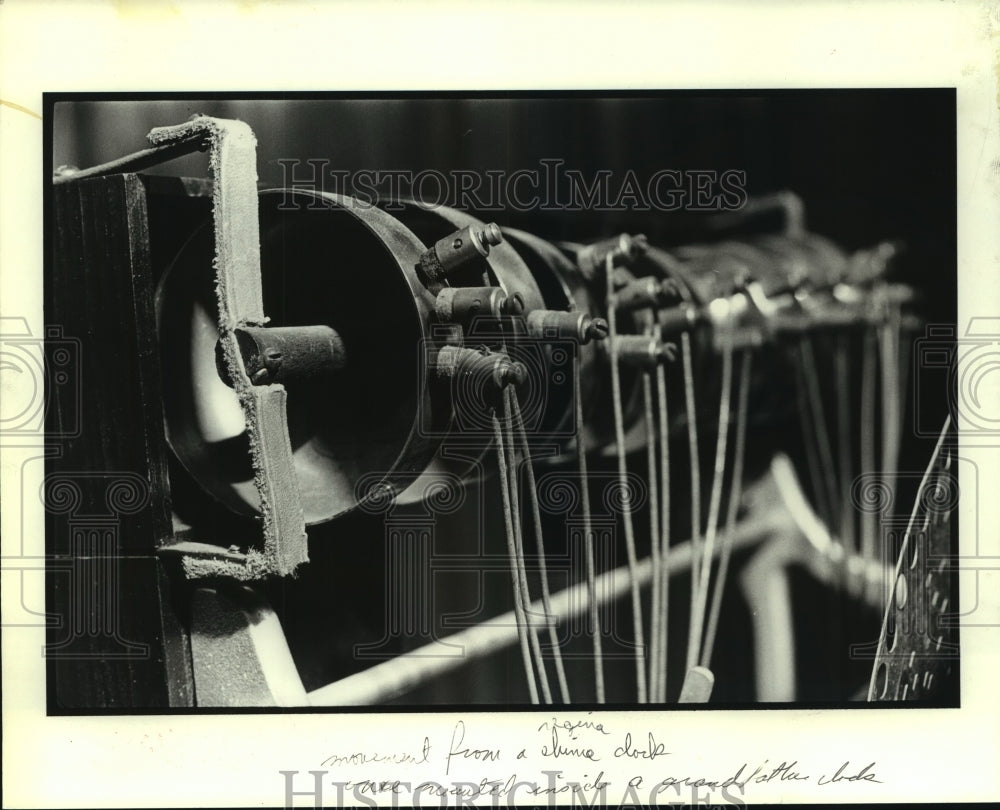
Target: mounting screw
x=595, y=329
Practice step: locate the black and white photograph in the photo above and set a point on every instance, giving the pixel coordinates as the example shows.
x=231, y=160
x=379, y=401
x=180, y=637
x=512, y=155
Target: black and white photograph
x=525, y=399
x=437, y=406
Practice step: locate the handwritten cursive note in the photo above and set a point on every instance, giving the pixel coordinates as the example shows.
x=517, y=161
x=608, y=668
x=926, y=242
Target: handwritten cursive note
x=460, y=750
x=636, y=767
x=571, y=738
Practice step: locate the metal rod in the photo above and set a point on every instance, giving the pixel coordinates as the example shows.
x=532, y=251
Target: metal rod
x=518, y=614
x=692, y=418
x=735, y=492
x=808, y=360
x=841, y=356
x=542, y=569
x=137, y=161
x=654, y=531
x=406, y=672
x=588, y=538
x=518, y=561
x=869, y=360
x=808, y=434
x=714, y=504
x=889, y=356
x=616, y=396
x=661, y=393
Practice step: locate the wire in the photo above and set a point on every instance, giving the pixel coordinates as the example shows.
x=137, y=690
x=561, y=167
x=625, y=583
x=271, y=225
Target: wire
x=588, y=536
x=654, y=531
x=715, y=500
x=822, y=434
x=522, y=572
x=661, y=392
x=692, y=421
x=137, y=161
x=542, y=569
x=735, y=492
x=409, y=670
x=889, y=355
x=846, y=529
x=868, y=372
x=808, y=434
x=616, y=396
x=522, y=624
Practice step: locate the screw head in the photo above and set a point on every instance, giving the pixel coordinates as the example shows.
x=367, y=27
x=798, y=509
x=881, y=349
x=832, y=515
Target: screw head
x=515, y=373
x=514, y=305
x=491, y=234
x=595, y=329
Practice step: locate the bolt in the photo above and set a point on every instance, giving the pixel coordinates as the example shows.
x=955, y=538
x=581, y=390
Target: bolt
x=514, y=304
x=514, y=374
x=595, y=329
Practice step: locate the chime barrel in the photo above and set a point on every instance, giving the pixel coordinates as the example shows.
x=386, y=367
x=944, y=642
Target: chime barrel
x=371, y=409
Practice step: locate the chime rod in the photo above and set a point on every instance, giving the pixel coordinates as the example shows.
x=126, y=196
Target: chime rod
x=656, y=608
x=841, y=361
x=715, y=500
x=518, y=614
x=519, y=569
x=821, y=432
x=588, y=538
x=867, y=437
x=735, y=493
x=532, y=491
x=406, y=672
x=692, y=422
x=664, y=435
x=616, y=398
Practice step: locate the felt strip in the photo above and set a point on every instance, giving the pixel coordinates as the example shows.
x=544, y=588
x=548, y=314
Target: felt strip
x=233, y=166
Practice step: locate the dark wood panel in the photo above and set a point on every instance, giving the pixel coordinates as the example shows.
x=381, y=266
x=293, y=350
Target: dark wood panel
x=116, y=642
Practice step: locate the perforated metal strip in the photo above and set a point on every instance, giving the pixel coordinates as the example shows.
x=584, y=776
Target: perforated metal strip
x=916, y=650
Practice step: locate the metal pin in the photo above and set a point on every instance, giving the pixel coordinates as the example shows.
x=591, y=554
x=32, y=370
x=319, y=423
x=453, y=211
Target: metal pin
x=459, y=248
